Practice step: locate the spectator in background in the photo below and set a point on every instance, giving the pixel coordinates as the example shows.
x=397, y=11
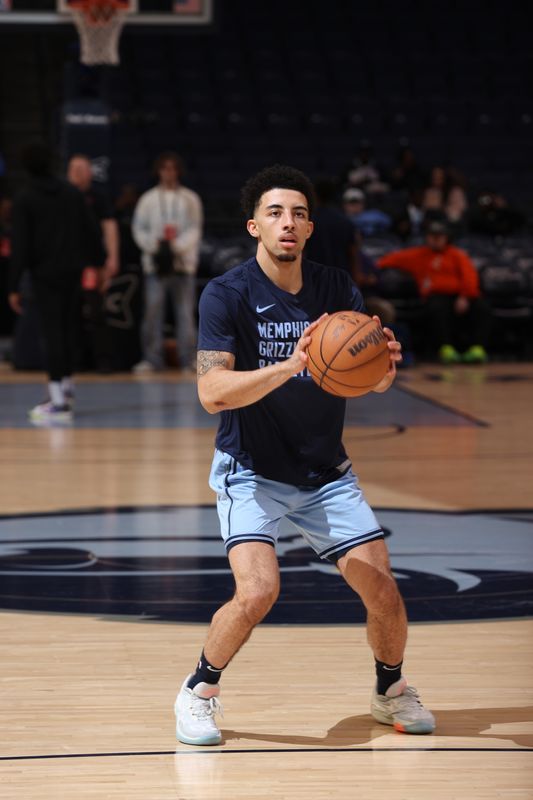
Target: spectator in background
x=80, y=174
x=53, y=238
x=6, y=315
x=448, y=282
x=334, y=239
x=167, y=227
x=363, y=172
x=493, y=216
x=446, y=193
x=369, y=221
x=96, y=350
x=407, y=174
x=409, y=221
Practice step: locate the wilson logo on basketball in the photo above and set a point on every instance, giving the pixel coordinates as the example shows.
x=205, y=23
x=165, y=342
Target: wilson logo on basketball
x=335, y=342
x=374, y=337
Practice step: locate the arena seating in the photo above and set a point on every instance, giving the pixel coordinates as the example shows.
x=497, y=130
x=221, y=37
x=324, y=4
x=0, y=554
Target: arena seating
x=292, y=82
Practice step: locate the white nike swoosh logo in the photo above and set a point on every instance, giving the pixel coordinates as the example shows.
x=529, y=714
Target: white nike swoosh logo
x=260, y=309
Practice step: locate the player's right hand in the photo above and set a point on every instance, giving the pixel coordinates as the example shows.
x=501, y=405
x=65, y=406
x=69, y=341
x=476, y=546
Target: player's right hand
x=299, y=358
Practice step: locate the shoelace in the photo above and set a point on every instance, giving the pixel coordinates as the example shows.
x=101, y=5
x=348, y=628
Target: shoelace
x=410, y=699
x=202, y=708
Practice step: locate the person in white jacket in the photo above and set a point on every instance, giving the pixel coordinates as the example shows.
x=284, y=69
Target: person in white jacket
x=167, y=227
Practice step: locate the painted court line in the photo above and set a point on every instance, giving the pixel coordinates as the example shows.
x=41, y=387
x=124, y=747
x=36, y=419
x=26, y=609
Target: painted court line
x=211, y=751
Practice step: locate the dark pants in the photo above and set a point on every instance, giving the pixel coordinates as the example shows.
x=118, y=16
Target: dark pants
x=58, y=303
x=461, y=330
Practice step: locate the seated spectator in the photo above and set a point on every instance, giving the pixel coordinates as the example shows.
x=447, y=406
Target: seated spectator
x=409, y=221
x=363, y=172
x=407, y=174
x=445, y=192
x=369, y=221
x=448, y=282
x=492, y=215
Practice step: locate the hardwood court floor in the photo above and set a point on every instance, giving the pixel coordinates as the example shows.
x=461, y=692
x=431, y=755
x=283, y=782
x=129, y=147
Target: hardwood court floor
x=423, y=466
x=87, y=701
x=87, y=704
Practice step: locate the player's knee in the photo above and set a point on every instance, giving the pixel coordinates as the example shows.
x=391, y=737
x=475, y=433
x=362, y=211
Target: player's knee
x=384, y=597
x=257, y=602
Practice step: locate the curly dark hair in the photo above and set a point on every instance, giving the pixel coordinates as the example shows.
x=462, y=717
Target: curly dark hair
x=277, y=176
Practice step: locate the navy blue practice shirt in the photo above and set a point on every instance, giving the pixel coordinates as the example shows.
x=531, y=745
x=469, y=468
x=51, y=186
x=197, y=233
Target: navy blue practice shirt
x=294, y=434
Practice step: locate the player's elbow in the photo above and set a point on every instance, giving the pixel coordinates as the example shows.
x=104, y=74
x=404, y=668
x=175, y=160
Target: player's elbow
x=212, y=408
x=206, y=402
x=214, y=391
x=210, y=402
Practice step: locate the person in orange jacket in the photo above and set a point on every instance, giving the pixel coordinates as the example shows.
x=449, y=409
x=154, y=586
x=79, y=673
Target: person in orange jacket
x=448, y=282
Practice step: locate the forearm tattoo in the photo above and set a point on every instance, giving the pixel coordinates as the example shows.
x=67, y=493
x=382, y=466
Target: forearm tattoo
x=207, y=359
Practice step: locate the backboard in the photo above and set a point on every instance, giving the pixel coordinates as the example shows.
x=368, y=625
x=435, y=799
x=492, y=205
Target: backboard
x=143, y=12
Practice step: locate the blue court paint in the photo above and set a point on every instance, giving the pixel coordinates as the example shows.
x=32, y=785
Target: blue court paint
x=152, y=404
x=169, y=564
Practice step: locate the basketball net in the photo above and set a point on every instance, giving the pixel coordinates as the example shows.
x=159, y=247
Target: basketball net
x=99, y=24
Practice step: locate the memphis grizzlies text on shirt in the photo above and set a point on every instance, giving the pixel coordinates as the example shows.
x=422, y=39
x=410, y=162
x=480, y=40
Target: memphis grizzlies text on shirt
x=278, y=340
x=294, y=434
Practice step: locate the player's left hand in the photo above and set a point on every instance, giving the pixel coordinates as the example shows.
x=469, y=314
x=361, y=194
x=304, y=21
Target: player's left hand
x=395, y=354
x=299, y=357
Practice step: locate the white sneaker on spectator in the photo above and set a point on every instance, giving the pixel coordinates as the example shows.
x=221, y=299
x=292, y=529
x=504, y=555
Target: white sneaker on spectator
x=195, y=710
x=48, y=414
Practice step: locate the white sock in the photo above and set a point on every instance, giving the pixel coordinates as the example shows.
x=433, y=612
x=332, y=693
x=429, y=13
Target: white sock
x=56, y=393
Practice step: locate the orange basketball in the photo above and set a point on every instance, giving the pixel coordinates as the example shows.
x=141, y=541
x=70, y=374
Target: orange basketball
x=348, y=354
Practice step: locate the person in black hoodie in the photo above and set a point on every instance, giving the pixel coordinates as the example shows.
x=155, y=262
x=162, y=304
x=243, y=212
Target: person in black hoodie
x=53, y=238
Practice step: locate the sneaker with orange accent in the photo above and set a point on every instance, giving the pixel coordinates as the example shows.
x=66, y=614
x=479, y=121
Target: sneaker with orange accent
x=401, y=708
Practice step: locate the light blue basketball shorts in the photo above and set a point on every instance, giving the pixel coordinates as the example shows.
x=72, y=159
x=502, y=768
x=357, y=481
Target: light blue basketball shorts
x=332, y=518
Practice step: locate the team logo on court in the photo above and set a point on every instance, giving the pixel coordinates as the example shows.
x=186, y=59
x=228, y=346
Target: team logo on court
x=169, y=563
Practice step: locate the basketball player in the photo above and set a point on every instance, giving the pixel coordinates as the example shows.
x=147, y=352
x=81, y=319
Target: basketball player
x=279, y=452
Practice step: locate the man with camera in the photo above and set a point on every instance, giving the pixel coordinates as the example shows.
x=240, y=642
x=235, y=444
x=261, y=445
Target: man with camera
x=167, y=227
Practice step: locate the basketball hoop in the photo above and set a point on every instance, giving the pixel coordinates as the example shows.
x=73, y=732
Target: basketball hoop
x=99, y=24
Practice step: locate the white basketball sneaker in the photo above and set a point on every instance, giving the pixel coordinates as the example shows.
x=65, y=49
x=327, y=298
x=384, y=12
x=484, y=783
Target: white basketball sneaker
x=401, y=708
x=49, y=414
x=195, y=710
